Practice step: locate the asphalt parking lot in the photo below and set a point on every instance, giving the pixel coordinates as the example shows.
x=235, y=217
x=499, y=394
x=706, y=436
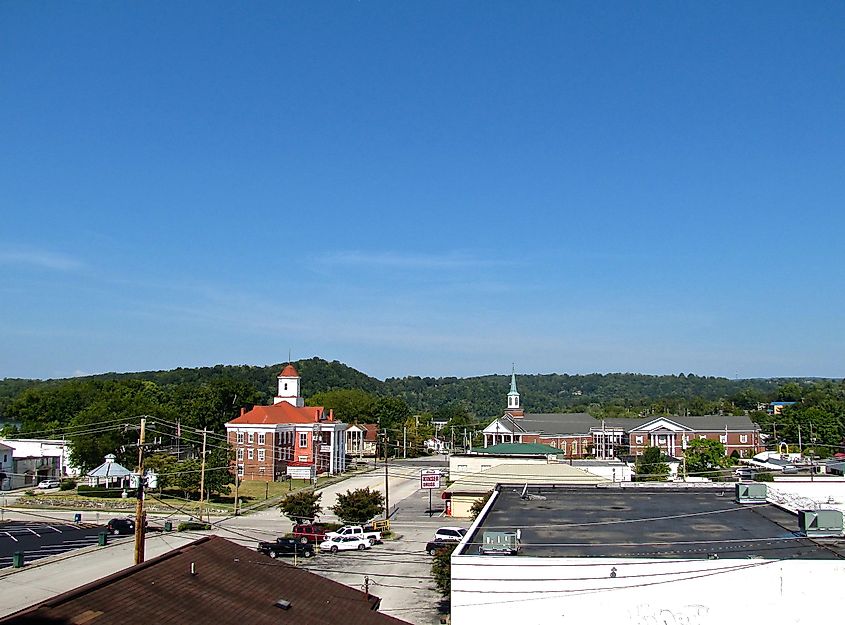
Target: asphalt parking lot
x=42, y=539
x=398, y=571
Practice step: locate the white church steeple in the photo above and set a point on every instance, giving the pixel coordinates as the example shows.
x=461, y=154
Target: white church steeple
x=514, y=406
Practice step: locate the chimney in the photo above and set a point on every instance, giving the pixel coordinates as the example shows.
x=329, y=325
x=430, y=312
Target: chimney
x=243, y=410
x=331, y=414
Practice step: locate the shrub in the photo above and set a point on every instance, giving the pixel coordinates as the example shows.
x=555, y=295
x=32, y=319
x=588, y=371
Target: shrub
x=302, y=506
x=441, y=569
x=67, y=485
x=29, y=493
x=101, y=492
x=358, y=506
x=187, y=526
x=764, y=477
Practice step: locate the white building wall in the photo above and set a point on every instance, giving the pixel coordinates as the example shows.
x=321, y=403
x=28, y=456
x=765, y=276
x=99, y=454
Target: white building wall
x=463, y=465
x=506, y=590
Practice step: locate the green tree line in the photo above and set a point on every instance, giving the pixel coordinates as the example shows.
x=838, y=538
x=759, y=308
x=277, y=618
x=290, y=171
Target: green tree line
x=207, y=397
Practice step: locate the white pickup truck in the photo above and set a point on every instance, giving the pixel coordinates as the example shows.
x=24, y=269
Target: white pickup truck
x=357, y=531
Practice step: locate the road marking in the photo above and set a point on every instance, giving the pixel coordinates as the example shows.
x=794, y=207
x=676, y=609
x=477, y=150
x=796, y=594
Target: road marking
x=34, y=532
x=10, y=536
x=54, y=529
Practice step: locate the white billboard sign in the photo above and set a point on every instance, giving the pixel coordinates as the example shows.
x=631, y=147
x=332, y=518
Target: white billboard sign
x=430, y=479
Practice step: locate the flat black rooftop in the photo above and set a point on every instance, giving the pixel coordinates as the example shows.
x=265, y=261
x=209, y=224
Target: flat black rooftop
x=682, y=522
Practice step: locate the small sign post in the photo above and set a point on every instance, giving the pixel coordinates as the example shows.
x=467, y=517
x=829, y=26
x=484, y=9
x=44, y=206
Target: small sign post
x=429, y=480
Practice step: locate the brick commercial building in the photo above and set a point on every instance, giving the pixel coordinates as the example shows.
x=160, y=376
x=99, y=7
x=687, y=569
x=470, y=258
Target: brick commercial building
x=287, y=438
x=579, y=435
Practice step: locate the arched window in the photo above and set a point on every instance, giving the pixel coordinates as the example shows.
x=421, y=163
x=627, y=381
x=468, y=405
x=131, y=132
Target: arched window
x=574, y=447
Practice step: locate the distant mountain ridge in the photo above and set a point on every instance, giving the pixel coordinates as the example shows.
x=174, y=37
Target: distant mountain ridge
x=618, y=393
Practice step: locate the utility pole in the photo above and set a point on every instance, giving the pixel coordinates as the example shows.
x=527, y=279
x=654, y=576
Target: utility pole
x=404, y=441
x=202, y=473
x=386, y=482
x=139, y=505
x=236, y=488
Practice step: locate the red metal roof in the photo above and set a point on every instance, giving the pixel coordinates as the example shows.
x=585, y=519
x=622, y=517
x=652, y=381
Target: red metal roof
x=281, y=413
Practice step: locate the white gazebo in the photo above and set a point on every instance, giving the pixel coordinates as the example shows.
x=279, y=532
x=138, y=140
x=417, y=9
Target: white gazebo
x=110, y=471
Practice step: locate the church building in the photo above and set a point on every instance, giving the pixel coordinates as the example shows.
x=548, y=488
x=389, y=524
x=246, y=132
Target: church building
x=580, y=435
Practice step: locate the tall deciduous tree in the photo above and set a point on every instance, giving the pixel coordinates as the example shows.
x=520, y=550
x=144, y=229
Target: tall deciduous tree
x=652, y=466
x=704, y=458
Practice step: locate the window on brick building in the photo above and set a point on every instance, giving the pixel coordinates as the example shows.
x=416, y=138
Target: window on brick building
x=303, y=439
x=250, y=454
x=639, y=440
x=252, y=437
x=743, y=438
x=240, y=470
x=240, y=437
x=261, y=438
x=261, y=455
x=702, y=437
x=723, y=438
x=240, y=454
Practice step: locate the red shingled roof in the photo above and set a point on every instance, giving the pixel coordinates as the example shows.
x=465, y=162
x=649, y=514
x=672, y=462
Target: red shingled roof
x=289, y=372
x=282, y=412
x=232, y=585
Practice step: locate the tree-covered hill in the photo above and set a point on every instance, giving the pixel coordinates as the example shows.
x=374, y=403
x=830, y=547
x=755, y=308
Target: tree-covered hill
x=208, y=397
x=484, y=396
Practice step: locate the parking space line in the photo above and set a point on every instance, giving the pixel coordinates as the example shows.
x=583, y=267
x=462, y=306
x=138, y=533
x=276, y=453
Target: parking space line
x=10, y=536
x=34, y=532
x=55, y=529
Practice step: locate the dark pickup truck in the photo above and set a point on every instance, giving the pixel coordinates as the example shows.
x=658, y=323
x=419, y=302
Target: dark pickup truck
x=286, y=547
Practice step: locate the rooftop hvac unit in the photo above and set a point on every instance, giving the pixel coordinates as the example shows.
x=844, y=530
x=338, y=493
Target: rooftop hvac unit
x=814, y=523
x=751, y=493
x=499, y=543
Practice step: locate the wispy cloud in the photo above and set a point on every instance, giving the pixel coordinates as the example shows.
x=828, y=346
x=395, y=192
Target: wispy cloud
x=399, y=260
x=39, y=258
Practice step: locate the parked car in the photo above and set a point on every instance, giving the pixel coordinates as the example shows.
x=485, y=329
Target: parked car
x=309, y=533
x=345, y=543
x=49, y=483
x=453, y=534
x=286, y=547
x=371, y=536
x=121, y=526
x=434, y=546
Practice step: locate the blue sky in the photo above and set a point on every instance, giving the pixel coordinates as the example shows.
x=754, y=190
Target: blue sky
x=423, y=188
